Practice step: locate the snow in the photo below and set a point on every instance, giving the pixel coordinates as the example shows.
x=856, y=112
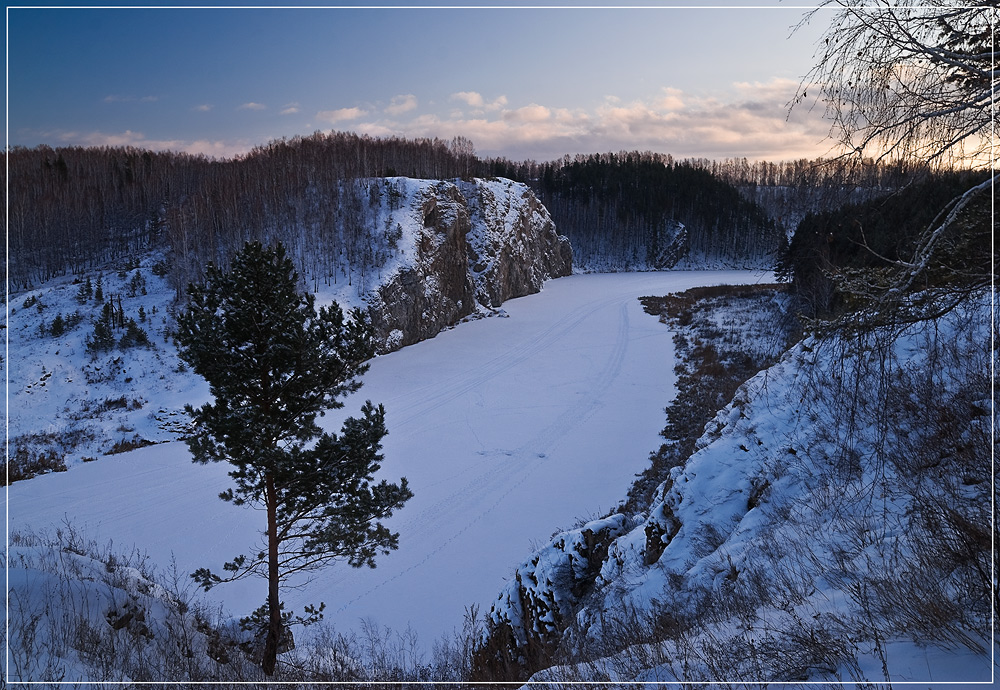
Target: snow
x=397, y=212
x=763, y=499
x=77, y=404
x=505, y=428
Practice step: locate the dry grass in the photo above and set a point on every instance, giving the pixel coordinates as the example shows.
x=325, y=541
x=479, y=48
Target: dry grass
x=724, y=335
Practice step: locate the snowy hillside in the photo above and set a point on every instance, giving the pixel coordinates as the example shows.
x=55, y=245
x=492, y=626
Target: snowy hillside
x=439, y=255
x=70, y=403
x=832, y=525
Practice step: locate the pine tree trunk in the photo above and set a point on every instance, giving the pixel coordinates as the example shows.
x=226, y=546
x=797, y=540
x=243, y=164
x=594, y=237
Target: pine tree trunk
x=273, y=601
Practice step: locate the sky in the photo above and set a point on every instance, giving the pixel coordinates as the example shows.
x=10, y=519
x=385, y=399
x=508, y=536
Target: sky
x=521, y=82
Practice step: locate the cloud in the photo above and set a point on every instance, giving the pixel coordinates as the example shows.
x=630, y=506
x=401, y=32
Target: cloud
x=474, y=99
x=749, y=119
x=470, y=98
x=529, y=113
x=203, y=108
x=671, y=99
x=340, y=115
x=116, y=98
x=401, y=104
x=213, y=148
x=252, y=106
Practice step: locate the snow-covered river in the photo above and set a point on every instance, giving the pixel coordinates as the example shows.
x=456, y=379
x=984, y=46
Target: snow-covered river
x=507, y=429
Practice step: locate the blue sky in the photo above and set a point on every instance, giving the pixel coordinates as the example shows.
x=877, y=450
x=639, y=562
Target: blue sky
x=519, y=82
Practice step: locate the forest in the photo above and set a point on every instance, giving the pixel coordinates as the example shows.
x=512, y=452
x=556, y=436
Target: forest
x=832, y=251
x=634, y=210
x=73, y=209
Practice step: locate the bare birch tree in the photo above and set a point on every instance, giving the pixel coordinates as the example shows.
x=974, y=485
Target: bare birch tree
x=916, y=80
x=912, y=79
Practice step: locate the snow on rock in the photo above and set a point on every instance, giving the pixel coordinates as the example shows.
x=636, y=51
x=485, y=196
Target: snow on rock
x=467, y=247
x=530, y=614
x=513, y=244
x=547, y=586
x=433, y=289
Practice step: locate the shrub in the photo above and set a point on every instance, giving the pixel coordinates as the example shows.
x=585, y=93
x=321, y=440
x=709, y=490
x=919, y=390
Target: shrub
x=26, y=463
x=134, y=336
x=137, y=285
x=103, y=339
x=127, y=444
x=58, y=326
x=85, y=292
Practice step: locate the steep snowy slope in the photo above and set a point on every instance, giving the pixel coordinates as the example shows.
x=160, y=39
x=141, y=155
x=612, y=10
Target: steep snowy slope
x=834, y=524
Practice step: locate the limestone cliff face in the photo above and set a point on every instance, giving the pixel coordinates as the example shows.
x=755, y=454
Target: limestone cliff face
x=514, y=246
x=472, y=246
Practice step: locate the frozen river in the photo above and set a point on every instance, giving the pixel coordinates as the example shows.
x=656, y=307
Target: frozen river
x=507, y=429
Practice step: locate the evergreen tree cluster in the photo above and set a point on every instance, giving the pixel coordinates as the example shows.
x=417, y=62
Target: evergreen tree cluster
x=832, y=251
x=111, y=321
x=624, y=209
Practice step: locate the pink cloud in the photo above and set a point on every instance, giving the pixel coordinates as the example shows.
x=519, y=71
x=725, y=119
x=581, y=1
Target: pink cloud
x=751, y=119
x=401, y=104
x=340, y=115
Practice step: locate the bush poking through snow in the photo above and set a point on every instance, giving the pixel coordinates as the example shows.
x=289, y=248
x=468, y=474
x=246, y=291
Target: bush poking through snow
x=85, y=613
x=723, y=335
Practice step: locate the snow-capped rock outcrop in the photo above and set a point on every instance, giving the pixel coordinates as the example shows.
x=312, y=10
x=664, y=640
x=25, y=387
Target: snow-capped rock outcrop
x=464, y=247
x=530, y=614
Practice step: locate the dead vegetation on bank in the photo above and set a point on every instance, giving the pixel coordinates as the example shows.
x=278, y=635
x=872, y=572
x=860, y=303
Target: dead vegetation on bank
x=724, y=334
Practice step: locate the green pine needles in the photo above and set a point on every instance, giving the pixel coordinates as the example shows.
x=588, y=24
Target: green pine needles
x=274, y=364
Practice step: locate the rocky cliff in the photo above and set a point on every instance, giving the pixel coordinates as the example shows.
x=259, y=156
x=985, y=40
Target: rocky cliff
x=464, y=248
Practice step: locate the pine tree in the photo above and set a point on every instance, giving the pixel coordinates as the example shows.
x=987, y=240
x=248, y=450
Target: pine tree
x=85, y=292
x=58, y=326
x=103, y=338
x=273, y=365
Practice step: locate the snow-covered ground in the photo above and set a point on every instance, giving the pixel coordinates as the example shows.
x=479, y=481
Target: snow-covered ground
x=802, y=541
x=506, y=428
